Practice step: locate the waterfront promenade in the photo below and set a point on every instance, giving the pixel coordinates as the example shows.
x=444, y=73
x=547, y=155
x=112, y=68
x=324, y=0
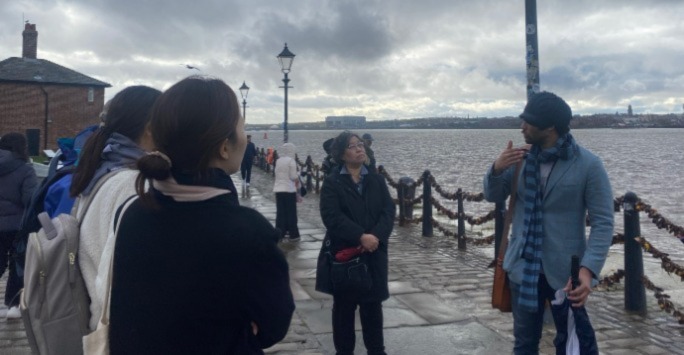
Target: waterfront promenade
x=439, y=304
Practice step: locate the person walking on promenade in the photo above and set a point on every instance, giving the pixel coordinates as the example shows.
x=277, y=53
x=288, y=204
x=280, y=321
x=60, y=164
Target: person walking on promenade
x=247, y=161
x=560, y=182
x=17, y=183
x=368, y=141
x=286, y=186
x=358, y=213
x=328, y=163
x=194, y=273
x=114, y=148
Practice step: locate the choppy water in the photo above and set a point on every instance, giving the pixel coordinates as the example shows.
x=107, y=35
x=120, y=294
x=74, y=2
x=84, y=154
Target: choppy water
x=649, y=162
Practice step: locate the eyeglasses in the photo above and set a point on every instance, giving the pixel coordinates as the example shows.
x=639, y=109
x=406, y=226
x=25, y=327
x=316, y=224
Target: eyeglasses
x=357, y=145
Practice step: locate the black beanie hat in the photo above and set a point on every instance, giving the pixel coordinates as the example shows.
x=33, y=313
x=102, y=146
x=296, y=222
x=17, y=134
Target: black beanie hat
x=545, y=109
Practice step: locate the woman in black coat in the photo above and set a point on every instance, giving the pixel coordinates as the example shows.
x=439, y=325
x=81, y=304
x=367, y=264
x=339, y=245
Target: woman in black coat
x=193, y=272
x=358, y=212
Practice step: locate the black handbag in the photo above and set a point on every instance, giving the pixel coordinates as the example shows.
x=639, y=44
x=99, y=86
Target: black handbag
x=350, y=276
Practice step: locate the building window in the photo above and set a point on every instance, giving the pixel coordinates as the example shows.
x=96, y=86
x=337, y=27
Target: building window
x=91, y=95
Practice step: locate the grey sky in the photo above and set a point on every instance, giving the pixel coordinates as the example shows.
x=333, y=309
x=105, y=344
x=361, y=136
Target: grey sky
x=384, y=59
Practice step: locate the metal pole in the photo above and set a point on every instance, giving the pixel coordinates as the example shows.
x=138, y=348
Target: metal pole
x=461, y=222
x=401, y=196
x=427, y=205
x=47, y=118
x=244, y=109
x=635, y=291
x=532, y=48
x=286, y=81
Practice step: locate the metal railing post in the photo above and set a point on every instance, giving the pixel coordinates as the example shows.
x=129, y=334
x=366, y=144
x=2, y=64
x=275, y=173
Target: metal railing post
x=635, y=291
x=427, y=205
x=461, y=221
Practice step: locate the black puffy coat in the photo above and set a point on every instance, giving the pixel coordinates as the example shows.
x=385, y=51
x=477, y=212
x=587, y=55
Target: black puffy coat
x=17, y=183
x=347, y=215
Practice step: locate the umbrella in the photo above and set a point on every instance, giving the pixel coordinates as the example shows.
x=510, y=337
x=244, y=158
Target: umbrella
x=574, y=333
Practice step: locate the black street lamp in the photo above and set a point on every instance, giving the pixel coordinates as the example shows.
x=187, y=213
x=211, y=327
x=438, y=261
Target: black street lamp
x=285, y=58
x=244, y=90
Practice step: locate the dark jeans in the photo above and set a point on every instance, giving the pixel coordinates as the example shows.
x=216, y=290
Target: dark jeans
x=7, y=257
x=527, y=326
x=344, y=337
x=246, y=170
x=286, y=213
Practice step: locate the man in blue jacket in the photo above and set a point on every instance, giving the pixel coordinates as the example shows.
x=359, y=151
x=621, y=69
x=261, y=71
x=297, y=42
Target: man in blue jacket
x=247, y=161
x=559, y=184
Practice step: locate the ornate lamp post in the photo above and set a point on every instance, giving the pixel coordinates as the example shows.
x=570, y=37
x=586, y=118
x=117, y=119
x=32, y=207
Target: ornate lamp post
x=285, y=58
x=244, y=90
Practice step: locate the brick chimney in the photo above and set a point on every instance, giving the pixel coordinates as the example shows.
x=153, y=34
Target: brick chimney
x=30, y=41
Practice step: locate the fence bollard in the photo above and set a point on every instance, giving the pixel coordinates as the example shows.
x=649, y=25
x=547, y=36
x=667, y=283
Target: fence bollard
x=318, y=180
x=401, y=192
x=500, y=213
x=427, y=205
x=461, y=222
x=406, y=192
x=309, y=174
x=635, y=291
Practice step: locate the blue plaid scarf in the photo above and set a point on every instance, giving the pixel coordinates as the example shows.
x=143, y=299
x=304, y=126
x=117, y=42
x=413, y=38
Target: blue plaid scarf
x=533, y=229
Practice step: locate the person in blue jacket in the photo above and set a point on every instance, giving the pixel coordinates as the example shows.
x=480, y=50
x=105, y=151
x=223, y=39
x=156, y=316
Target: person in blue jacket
x=559, y=184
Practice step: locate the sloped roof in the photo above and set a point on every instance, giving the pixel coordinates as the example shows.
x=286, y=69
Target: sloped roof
x=40, y=71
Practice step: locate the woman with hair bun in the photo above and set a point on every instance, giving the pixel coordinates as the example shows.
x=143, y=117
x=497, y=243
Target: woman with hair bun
x=193, y=272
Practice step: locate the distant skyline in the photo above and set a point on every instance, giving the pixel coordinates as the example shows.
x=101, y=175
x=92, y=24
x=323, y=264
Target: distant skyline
x=383, y=59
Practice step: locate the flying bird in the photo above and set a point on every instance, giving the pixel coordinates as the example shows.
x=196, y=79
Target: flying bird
x=191, y=67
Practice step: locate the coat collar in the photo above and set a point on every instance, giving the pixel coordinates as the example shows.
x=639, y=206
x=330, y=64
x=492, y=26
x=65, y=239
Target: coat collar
x=559, y=170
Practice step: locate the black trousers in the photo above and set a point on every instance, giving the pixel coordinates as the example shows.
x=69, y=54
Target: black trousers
x=7, y=258
x=286, y=213
x=246, y=170
x=344, y=337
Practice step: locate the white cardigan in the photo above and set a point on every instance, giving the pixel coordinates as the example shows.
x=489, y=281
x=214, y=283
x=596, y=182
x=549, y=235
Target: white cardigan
x=96, y=245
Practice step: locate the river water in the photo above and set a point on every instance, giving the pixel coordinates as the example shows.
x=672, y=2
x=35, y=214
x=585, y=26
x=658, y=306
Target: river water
x=649, y=162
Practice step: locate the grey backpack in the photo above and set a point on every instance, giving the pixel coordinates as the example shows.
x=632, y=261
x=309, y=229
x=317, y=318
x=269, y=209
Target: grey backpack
x=55, y=306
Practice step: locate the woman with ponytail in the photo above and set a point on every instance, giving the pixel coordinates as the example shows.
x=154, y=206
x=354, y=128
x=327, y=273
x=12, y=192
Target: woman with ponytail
x=194, y=272
x=111, y=153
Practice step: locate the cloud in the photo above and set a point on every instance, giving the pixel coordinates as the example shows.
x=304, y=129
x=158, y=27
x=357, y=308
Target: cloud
x=379, y=58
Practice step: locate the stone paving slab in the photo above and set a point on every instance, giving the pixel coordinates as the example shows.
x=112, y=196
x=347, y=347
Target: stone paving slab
x=432, y=308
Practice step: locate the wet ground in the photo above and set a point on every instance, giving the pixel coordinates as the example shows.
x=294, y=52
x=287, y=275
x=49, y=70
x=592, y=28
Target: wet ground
x=439, y=304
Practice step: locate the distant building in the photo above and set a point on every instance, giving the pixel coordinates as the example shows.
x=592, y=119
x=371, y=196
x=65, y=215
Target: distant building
x=345, y=121
x=45, y=100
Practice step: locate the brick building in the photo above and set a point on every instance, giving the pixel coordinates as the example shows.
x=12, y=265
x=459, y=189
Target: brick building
x=45, y=100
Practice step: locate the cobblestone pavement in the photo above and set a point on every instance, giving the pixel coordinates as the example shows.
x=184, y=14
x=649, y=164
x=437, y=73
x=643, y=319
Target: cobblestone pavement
x=439, y=304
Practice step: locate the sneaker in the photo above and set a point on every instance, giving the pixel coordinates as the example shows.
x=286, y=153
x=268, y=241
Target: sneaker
x=247, y=184
x=13, y=313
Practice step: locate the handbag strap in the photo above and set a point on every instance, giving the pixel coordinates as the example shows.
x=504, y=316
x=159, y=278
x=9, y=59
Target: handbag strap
x=104, y=318
x=509, y=213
